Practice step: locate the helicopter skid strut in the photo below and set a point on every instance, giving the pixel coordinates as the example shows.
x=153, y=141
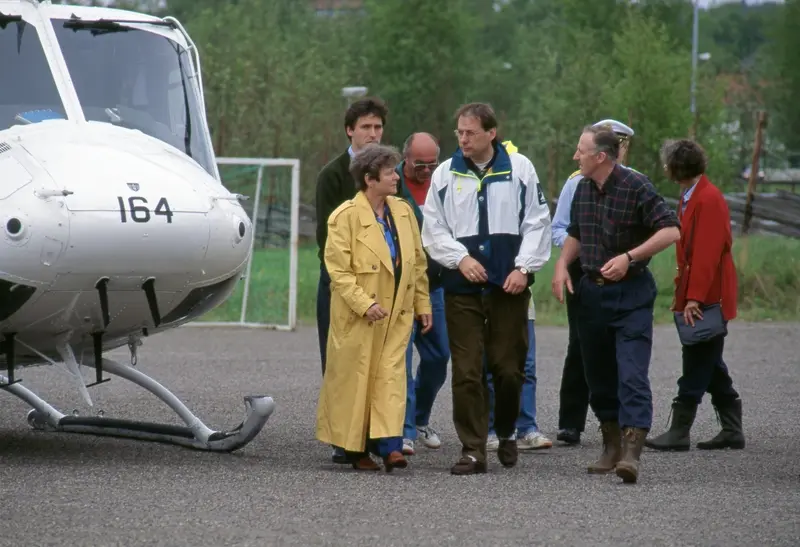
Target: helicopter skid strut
x=195, y=434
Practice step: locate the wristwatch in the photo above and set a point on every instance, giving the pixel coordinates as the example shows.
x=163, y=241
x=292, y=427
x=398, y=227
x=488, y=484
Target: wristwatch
x=522, y=270
x=630, y=258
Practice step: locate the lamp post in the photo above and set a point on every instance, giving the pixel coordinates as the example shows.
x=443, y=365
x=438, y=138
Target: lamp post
x=695, y=57
x=352, y=93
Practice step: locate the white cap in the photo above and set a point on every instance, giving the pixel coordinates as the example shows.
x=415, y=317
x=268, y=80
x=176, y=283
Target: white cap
x=618, y=127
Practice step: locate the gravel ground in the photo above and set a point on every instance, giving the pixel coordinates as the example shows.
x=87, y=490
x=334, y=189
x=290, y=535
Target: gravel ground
x=67, y=489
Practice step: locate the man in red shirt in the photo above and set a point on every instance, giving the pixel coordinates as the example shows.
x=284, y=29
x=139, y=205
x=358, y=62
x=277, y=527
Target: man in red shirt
x=420, y=158
x=706, y=275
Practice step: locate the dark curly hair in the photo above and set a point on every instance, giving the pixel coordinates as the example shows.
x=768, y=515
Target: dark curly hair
x=369, y=162
x=683, y=159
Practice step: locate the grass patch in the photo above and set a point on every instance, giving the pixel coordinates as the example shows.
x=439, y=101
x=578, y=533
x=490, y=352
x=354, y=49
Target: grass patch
x=768, y=268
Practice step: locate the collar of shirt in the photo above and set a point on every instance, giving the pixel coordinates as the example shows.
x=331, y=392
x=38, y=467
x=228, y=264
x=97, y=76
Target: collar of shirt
x=688, y=192
x=610, y=182
x=350, y=151
x=686, y=196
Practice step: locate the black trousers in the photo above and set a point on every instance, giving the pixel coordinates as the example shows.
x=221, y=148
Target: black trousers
x=704, y=371
x=574, y=392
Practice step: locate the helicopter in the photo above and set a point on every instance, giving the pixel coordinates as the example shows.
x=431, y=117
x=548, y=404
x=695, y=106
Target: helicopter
x=114, y=222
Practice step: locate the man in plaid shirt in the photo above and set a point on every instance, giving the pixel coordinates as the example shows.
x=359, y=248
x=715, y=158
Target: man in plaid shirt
x=617, y=223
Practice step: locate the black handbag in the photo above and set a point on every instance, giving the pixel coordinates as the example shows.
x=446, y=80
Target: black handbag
x=712, y=324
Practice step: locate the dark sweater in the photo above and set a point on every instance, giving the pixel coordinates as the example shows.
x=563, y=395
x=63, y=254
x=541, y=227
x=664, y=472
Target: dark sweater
x=335, y=185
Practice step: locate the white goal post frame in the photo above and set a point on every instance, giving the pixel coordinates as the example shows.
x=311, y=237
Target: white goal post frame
x=294, y=238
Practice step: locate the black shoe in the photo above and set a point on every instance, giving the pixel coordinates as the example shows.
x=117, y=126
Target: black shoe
x=569, y=436
x=732, y=435
x=677, y=436
x=507, y=452
x=339, y=456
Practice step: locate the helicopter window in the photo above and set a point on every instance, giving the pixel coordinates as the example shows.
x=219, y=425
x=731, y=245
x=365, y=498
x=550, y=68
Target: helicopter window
x=136, y=79
x=28, y=92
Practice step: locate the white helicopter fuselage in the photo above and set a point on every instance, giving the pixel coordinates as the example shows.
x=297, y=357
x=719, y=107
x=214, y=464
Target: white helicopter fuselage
x=113, y=219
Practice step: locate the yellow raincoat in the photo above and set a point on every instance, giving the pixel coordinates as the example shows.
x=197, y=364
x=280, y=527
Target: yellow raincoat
x=364, y=388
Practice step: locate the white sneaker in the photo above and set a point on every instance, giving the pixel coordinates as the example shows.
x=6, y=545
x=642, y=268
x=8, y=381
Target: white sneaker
x=492, y=443
x=408, y=447
x=533, y=441
x=429, y=437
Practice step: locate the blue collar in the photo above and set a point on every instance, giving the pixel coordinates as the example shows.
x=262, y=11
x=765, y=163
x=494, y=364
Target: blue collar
x=501, y=165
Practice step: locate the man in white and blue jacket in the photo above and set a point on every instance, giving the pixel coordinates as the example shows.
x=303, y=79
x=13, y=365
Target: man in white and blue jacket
x=420, y=158
x=486, y=221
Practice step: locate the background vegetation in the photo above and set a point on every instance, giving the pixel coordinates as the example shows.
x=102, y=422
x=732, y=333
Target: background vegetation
x=274, y=69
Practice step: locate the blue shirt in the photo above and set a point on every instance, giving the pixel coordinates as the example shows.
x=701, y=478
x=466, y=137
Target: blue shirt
x=686, y=197
x=389, y=234
x=561, y=217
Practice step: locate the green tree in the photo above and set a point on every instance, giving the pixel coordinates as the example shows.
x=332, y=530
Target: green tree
x=785, y=72
x=423, y=59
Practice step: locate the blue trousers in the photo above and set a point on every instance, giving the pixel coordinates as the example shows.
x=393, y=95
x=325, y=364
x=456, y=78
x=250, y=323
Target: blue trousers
x=615, y=325
x=526, y=422
x=323, y=312
x=434, y=353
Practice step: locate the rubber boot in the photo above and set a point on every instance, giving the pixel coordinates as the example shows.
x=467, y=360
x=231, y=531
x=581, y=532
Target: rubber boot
x=677, y=437
x=612, y=449
x=632, y=443
x=732, y=435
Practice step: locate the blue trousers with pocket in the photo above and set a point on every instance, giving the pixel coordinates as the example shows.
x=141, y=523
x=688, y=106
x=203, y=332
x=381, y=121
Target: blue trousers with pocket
x=615, y=325
x=434, y=354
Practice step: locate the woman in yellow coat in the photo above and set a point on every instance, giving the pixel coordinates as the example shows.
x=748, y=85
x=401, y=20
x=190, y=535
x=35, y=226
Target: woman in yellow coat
x=377, y=266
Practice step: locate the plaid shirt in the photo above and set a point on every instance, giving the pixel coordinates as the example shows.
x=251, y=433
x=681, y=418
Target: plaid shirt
x=617, y=218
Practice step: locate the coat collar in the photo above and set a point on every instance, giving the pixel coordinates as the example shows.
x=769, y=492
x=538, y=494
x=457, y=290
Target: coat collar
x=372, y=235
x=692, y=203
x=501, y=165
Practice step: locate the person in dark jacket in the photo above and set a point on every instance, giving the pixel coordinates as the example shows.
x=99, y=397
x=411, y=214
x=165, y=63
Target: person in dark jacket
x=364, y=121
x=420, y=158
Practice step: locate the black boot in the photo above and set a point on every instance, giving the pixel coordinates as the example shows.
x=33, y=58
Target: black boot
x=677, y=437
x=732, y=435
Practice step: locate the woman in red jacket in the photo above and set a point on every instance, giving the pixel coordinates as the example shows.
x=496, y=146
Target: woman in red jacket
x=706, y=275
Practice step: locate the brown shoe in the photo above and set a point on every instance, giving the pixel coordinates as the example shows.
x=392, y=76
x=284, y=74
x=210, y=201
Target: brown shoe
x=632, y=443
x=394, y=459
x=468, y=465
x=612, y=450
x=507, y=452
x=365, y=463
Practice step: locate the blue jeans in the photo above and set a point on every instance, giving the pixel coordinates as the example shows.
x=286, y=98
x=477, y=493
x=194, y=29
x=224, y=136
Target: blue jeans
x=526, y=422
x=434, y=353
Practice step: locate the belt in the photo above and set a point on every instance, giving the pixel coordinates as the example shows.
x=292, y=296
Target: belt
x=597, y=278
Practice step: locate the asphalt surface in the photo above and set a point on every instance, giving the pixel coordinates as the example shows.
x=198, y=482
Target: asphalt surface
x=67, y=489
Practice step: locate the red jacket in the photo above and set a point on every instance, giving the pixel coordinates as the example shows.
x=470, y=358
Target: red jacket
x=710, y=275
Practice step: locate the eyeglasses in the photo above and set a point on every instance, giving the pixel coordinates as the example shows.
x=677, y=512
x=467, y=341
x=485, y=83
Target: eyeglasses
x=469, y=133
x=422, y=166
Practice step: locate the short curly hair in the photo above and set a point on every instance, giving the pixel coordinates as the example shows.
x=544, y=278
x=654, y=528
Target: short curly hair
x=370, y=161
x=683, y=159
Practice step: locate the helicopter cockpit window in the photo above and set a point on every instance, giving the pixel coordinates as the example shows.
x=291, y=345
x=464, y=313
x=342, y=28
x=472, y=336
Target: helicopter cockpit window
x=136, y=79
x=28, y=92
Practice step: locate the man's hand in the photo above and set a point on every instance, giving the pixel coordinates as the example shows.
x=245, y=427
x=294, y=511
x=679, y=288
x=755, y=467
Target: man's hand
x=472, y=270
x=560, y=277
x=616, y=268
x=427, y=322
x=375, y=312
x=691, y=310
x=515, y=282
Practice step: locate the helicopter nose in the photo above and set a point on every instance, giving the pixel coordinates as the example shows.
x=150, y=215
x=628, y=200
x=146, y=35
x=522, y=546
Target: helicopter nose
x=132, y=217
